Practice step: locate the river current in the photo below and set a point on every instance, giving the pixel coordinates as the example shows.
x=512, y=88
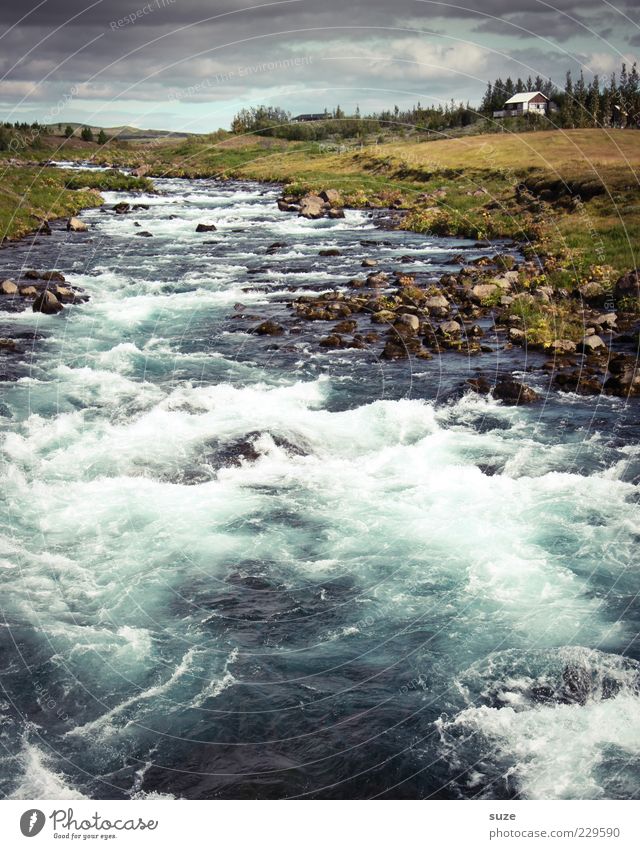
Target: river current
x=237, y=566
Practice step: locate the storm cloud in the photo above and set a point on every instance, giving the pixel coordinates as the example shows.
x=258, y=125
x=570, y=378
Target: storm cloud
x=191, y=64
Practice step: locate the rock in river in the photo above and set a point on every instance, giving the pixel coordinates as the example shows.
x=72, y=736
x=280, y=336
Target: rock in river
x=47, y=303
x=76, y=226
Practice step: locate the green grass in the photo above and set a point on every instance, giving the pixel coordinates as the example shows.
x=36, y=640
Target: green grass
x=29, y=196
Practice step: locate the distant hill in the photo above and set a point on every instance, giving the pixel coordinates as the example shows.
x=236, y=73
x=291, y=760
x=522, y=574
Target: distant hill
x=124, y=133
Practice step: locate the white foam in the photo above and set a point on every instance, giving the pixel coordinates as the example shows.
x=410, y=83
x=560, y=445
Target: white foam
x=38, y=780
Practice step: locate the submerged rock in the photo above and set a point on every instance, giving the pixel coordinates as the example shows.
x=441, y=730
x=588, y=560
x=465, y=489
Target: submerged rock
x=206, y=228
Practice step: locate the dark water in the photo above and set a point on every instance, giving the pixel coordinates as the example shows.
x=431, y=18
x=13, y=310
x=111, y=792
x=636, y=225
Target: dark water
x=236, y=566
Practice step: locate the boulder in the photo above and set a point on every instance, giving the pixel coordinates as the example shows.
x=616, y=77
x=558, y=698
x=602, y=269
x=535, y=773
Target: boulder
x=145, y=234
x=517, y=336
x=332, y=341
x=437, y=302
x=563, y=346
x=509, y=391
x=607, y=320
x=269, y=328
x=311, y=206
x=482, y=291
x=329, y=252
x=122, y=208
x=507, y=280
x=206, y=228
x=141, y=170
x=349, y=325
x=592, y=344
x=8, y=287
x=76, y=226
x=28, y=292
x=625, y=376
x=46, y=302
x=331, y=196
x=369, y=263
x=383, y=317
x=64, y=293
x=449, y=328
x=285, y=206
x=628, y=285
x=335, y=213
x=55, y=276
x=275, y=246
x=377, y=280
x=411, y=322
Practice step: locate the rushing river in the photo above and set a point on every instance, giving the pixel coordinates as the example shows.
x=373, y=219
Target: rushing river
x=237, y=566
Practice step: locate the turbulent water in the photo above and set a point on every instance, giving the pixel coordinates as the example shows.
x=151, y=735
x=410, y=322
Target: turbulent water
x=234, y=566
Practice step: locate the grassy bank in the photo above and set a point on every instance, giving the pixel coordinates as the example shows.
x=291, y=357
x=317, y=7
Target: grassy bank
x=31, y=195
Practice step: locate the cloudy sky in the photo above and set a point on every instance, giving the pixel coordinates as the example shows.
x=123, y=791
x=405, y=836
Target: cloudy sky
x=191, y=64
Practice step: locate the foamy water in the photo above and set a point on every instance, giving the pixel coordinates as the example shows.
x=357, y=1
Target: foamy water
x=236, y=566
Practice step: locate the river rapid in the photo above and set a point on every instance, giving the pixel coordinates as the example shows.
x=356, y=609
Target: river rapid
x=237, y=566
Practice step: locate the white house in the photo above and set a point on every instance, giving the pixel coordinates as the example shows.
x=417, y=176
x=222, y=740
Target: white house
x=523, y=102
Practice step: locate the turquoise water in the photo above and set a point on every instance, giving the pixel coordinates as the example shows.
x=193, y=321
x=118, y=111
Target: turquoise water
x=240, y=567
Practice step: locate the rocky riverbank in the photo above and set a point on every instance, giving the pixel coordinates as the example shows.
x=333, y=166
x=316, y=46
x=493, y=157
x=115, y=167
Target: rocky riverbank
x=591, y=347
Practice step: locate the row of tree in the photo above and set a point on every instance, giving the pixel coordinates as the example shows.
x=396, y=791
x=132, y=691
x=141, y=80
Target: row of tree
x=274, y=121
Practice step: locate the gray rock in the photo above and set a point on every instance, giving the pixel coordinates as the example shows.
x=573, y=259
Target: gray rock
x=436, y=302
x=412, y=322
x=76, y=226
x=481, y=291
x=592, y=343
x=47, y=303
x=449, y=328
x=8, y=287
x=563, y=346
x=312, y=206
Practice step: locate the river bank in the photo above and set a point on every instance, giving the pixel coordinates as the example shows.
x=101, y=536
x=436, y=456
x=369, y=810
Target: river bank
x=401, y=314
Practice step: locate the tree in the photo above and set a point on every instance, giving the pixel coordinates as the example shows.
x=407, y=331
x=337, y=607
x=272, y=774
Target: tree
x=102, y=137
x=86, y=134
x=593, y=102
x=568, y=106
x=68, y=132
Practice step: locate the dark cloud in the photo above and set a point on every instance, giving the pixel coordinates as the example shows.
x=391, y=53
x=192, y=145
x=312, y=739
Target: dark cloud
x=169, y=54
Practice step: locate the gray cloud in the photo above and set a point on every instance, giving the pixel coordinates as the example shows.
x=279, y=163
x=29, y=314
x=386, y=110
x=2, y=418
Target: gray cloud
x=175, y=55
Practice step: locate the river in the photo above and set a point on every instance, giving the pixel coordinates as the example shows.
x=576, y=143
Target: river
x=239, y=566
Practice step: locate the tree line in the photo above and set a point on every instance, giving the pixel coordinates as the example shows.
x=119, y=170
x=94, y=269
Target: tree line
x=20, y=134
x=615, y=103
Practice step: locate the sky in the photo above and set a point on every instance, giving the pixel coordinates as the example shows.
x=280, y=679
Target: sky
x=190, y=65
